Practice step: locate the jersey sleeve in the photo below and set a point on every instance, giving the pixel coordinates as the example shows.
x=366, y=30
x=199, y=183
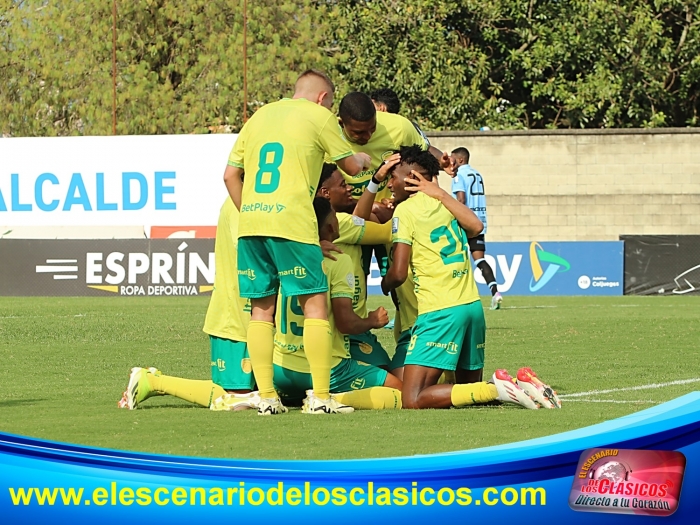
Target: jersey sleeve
x=376, y=233
x=236, y=157
x=341, y=277
x=402, y=227
x=351, y=229
x=458, y=184
x=332, y=140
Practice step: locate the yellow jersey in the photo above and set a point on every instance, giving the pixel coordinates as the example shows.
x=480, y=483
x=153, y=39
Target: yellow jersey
x=352, y=237
x=228, y=313
x=352, y=229
x=408, y=302
x=282, y=148
x=289, y=319
x=393, y=131
x=442, y=272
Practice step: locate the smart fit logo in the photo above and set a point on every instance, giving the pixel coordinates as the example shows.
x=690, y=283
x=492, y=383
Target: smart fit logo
x=250, y=273
x=555, y=264
x=298, y=271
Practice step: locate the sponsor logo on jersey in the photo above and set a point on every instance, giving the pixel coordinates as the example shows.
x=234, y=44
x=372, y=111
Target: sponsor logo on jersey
x=395, y=225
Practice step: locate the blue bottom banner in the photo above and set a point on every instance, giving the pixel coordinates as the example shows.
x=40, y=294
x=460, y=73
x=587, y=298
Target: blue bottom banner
x=546, y=268
x=641, y=464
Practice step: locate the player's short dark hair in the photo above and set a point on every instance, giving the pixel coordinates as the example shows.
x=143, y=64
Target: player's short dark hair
x=424, y=159
x=388, y=97
x=323, y=209
x=326, y=173
x=317, y=73
x=461, y=152
x=357, y=106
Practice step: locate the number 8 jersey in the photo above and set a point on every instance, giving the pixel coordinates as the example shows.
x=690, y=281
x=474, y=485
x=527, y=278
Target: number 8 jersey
x=281, y=149
x=440, y=263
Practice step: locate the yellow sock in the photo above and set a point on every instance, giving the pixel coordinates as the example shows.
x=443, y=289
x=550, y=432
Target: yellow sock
x=192, y=390
x=317, y=347
x=261, y=345
x=374, y=398
x=473, y=394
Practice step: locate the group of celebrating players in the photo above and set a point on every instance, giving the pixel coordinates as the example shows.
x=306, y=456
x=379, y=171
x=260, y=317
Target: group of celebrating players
x=311, y=197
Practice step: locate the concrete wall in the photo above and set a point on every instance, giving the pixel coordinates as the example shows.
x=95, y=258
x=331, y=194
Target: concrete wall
x=585, y=184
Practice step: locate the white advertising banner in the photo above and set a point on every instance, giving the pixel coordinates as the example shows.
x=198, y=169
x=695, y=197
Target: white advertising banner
x=164, y=180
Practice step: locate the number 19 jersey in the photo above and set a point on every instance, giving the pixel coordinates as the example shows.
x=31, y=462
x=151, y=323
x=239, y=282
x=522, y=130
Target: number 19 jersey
x=281, y=148
x=440, y=263
x=289, y=319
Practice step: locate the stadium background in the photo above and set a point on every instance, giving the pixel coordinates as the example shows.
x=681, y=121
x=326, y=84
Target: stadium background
x=521, y=69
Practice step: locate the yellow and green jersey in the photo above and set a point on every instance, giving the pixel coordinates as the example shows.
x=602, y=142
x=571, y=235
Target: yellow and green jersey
x=442, y=273
x=352, y=230
x=408, y=302
x=228, y=313
x=282, y=148
x=393, y=131
x=289, y=319
x=354, y=233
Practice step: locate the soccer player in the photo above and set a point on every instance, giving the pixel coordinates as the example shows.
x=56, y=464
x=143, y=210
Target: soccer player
x=226, y=323
x=357, y=384
x=354, y=233
x=450, y=331
x=282, y=148
x=379, y=135
x=468, y=188
x=387, y=100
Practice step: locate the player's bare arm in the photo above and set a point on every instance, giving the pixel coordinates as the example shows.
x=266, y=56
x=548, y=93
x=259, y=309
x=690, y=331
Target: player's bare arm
x=398, y=271
x=233, y=179
x=461, y=197
x=348, y=322
x=444, y=159
x=354, y=164
x=365, y=204
x=466, y=218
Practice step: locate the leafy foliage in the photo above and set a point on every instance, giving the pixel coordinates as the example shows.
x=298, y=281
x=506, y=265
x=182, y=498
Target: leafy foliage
x=456, y=64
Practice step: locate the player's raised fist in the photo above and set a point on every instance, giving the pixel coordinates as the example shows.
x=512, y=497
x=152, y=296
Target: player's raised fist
x=379, y=317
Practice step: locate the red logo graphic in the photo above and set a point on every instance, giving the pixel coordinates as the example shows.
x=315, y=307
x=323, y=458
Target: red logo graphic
x=642, y=482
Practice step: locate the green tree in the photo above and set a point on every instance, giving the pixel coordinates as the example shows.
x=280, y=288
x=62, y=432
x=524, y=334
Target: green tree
x=179, y=64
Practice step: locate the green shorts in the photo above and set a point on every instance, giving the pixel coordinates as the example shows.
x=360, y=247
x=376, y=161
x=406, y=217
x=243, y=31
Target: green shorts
x=345, y=376
x=450, y=338
x=230, y=364
x=266, y=263
x=401, y=348
x=367, y=348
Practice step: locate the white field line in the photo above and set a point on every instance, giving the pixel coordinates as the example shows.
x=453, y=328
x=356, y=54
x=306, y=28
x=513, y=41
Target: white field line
x=611, y=401
x=630, y=388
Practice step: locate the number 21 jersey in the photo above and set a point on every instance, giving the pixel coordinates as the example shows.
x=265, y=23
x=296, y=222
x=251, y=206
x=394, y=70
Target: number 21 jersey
x=442, y=272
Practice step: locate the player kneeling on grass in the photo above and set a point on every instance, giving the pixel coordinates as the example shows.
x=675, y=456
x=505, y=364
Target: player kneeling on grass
x=353, y=384
x=227, y=324
x=430, y=230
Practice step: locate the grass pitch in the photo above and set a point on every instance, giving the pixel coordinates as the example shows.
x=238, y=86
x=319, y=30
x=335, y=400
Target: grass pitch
x=64, y=363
